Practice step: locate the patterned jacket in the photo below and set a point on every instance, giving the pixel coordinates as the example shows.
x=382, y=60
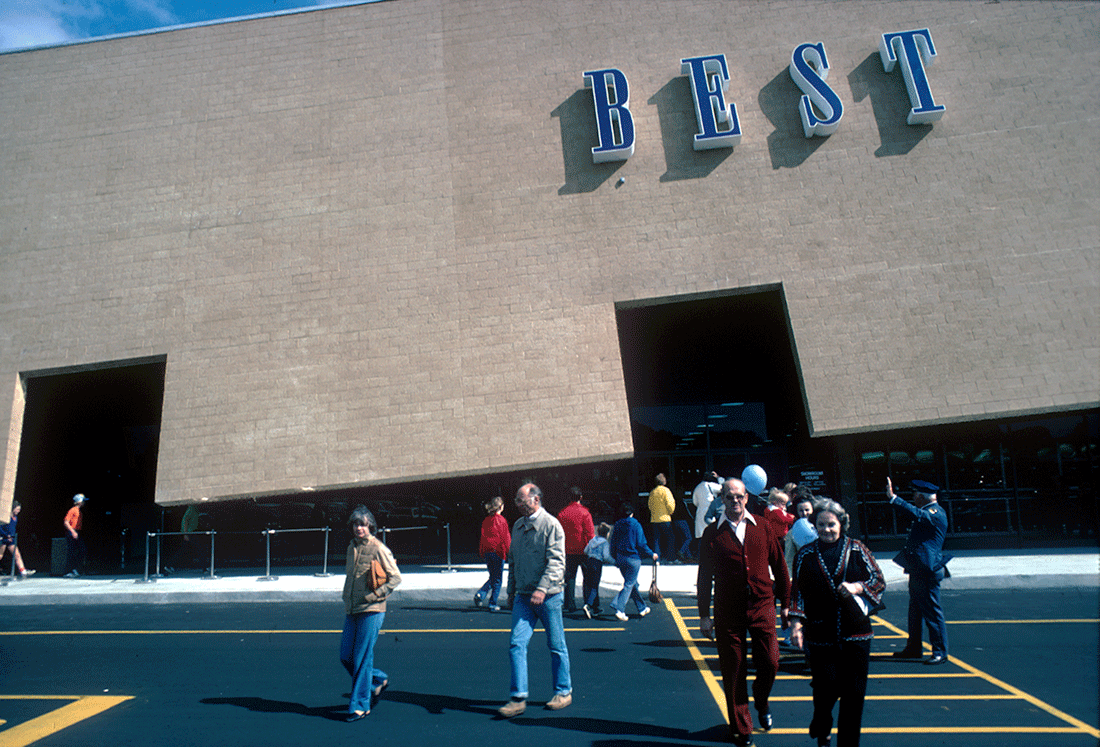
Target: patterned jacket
x=829, y=618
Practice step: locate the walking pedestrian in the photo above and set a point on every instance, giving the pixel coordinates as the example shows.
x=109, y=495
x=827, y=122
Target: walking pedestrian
x=493, y=547
x=576, y=522
x=596, y=553
x=9, y=541
x=627, y=546
x=535, y=577
x=735, y=554
x=835, y=585
x=371, y=576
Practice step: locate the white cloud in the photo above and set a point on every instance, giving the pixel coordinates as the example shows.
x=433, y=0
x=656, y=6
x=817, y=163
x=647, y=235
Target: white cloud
x=32, y=23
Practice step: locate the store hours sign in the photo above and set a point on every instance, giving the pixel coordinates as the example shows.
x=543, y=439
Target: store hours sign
x=820, y=109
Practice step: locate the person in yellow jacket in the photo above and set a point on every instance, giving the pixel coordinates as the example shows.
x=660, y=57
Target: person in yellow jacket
x=371, y=575
x=661, y=507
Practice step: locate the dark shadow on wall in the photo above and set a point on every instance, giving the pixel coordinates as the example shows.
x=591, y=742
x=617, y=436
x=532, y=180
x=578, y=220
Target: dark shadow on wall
x=779, y=101
x=676, y=113
x=890, y=103
x=577, y=120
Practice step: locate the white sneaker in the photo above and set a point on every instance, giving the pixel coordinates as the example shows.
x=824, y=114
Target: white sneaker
x=588, y=612
x=621, y=616
x=27, y=573
x=644, y=612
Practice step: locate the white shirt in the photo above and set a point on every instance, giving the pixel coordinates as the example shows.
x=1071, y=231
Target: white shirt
x=739, y=527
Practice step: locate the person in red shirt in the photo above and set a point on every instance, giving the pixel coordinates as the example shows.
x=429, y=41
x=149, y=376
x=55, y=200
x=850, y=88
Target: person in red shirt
x=735, y=554
x=496, y=541
x=576, y=520
x=74, y=525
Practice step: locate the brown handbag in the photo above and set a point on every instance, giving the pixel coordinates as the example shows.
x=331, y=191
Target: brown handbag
x=377, y=574
x=654, y=592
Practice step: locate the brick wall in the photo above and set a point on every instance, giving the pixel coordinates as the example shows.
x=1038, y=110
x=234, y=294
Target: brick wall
x=372, y=245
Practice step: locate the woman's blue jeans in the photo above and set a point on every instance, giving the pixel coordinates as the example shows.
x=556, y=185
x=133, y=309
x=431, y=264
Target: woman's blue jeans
x=629, y=567
x=495, y=563
x=357, y=655
x=524, y=617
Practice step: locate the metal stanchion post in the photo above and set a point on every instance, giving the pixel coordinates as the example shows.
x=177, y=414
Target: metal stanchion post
x=211, y=576
x=158, y=574
x=324, y=565
x=268, y=577
x=448, y=569
x=146, y=579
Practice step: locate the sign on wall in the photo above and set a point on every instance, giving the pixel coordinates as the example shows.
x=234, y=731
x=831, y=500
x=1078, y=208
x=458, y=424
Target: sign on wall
x=820, y=108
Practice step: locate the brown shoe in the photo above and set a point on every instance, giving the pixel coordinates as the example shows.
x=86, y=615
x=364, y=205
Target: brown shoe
x=559, y=701
x=512, y=708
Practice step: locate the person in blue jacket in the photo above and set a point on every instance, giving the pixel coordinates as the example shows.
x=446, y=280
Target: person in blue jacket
x=924, y=561
x=627, y=545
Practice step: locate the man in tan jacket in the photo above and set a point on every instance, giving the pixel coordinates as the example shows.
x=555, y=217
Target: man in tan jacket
x=536, y=573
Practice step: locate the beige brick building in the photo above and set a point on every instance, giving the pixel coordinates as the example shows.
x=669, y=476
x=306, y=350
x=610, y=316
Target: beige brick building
x=368, y=245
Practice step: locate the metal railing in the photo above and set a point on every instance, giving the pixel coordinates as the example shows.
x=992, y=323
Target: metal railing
x=267, y=534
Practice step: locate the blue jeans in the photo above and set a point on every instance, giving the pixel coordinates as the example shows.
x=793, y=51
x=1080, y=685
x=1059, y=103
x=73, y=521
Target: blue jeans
x=629, y=567
x=662, y=539
x=524, y=617
x=357, y=655
x=495, y=563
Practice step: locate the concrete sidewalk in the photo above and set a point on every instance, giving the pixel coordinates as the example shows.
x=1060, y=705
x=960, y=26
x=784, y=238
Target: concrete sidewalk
x=969, y=570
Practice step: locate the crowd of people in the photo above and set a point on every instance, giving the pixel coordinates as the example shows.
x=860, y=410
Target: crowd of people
x=756, y=548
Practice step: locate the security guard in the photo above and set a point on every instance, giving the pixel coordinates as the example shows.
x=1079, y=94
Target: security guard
x=924, y=561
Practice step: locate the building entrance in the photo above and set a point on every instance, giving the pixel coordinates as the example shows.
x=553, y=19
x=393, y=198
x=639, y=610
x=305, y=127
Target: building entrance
x=92, y=430
x=712, y=384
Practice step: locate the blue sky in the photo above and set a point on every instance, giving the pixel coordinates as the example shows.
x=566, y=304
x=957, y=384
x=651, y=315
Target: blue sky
x=32, y=23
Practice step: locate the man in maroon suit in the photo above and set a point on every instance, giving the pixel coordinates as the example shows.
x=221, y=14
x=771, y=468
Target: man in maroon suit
x=734, y=556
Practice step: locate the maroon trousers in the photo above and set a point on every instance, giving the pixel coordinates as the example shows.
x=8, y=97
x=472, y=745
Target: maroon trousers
x=731, y=639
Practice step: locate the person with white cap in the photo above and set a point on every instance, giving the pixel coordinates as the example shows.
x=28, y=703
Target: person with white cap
x=74, y=525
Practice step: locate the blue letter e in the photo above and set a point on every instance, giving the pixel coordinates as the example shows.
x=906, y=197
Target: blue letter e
x=710, y=80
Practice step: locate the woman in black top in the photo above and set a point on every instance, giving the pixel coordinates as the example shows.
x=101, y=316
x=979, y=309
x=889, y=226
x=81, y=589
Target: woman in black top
x=836, y=583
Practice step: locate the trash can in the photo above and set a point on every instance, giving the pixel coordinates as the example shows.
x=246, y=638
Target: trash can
x=59, y=556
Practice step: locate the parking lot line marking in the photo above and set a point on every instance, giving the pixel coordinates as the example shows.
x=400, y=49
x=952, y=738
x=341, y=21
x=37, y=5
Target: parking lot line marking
x=1024, y=622
x=1012, y=693
x=946, y=730
x=700, y=661
x=1079, y=724
x=83, y=707
x=333, y=631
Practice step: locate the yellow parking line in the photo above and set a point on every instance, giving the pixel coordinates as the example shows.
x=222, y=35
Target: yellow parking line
x=946, y=730
x=1013, y=693
x=1024, y=622
x=333, y=631
x=697, y=656
x=1075, y=722
x=82, y=707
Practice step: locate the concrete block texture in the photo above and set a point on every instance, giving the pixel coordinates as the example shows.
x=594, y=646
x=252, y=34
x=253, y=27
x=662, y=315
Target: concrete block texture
x=373, y=246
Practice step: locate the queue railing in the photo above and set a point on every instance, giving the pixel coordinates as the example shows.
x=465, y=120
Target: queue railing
x=152, y=552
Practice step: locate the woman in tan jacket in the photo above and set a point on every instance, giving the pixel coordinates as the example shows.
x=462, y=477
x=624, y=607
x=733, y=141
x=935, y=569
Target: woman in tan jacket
x=371, y=575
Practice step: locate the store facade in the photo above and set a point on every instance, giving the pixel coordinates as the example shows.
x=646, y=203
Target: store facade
x=428, y=246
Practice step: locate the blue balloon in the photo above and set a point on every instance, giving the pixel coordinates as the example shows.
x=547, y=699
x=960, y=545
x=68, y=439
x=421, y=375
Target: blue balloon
x=755, y=479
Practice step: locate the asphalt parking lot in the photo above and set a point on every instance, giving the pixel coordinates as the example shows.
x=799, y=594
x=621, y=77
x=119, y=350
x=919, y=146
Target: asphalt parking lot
x=1023, y=672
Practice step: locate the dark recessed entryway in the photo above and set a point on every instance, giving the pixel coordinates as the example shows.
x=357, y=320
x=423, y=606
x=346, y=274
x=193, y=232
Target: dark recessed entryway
x=93, y=430
x=712, y=383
